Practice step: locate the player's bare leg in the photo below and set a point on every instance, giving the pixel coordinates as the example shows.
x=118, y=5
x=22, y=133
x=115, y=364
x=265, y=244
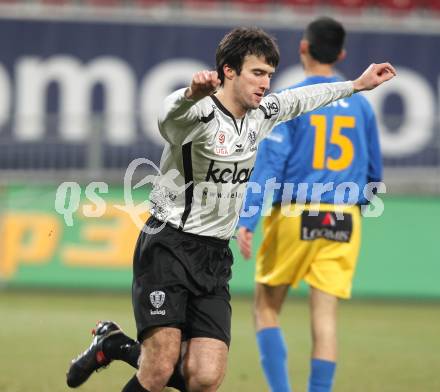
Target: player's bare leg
x=204, y=365
x=160, y=352
x=323, y=310
x=273, y=352
x=267, y=305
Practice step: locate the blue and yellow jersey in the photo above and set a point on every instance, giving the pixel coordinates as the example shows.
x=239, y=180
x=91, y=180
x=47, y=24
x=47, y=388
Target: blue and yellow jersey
x=326, y=156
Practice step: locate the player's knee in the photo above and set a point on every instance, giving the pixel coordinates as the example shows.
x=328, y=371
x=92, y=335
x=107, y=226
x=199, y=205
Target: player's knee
x=205, y=379
x=204, y=382
x=156, y=372
x=324, y=331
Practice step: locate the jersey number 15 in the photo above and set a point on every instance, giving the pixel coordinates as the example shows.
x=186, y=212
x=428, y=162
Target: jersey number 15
x=320, y=158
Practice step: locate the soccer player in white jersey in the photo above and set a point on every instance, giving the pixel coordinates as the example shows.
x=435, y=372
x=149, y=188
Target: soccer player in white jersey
x=182, y=261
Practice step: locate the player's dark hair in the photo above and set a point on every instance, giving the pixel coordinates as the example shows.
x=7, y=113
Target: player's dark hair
x=243, y=41
x=326, y=39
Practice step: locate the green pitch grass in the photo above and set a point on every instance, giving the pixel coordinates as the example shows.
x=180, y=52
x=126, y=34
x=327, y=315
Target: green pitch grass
x=384, y=346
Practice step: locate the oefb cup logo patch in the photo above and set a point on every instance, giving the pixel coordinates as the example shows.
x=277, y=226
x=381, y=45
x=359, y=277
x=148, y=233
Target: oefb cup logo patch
x=157, y=298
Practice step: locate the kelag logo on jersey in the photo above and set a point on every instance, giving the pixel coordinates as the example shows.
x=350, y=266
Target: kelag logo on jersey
x=228, y=174
x=325, y=225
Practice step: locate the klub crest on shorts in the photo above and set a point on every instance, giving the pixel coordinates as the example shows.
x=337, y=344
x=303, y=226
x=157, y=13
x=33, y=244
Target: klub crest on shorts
x=157, y=298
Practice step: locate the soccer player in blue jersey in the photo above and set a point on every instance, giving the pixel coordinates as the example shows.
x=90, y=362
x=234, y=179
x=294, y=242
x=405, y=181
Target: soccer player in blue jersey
x=323, y=160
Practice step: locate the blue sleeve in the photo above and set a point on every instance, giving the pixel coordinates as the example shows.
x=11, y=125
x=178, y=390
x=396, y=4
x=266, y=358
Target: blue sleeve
x=374, y=155
x=270, y=162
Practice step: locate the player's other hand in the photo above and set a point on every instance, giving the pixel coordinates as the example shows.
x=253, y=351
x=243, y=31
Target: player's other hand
x=374, y=76
x=203, y=83
x=244, y=239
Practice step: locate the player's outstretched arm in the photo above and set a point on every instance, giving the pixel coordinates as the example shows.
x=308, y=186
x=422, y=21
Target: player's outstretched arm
x=374, y=76
x=203, y=83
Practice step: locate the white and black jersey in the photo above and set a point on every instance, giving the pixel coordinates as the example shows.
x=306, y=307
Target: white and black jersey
x=209, y=155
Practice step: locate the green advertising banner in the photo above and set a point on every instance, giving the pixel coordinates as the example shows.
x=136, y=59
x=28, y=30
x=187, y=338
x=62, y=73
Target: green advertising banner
x=85, y=240
x=90, y=245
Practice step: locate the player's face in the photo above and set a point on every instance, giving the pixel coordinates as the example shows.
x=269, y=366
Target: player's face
x=253, y=81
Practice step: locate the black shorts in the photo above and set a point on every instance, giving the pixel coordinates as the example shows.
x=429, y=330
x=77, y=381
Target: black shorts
x=181, y=280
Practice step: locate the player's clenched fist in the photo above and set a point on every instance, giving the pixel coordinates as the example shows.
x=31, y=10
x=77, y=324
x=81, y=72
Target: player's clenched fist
x=203, y=83
x=373, y=76
x=244, y=239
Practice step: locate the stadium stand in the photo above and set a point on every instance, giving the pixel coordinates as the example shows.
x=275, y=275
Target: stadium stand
x=396, y=6
x=300, y=3
x=434, y=4
x=351, y=5
x=399, y=6
x=207, y=4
